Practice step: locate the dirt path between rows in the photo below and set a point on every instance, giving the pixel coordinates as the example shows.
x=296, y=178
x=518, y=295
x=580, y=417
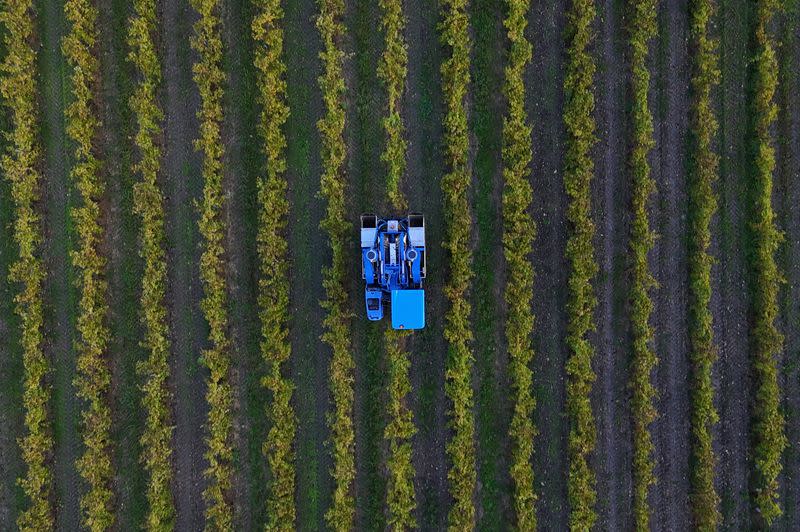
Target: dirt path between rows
x=787, y=199
x=545, y=104
x=668, y=102
x=182, y=187
x=11, y=368
x=60, y=292
x=309, y=251
x=423, y=113
x=124, y=267
x=730, y=288
x=366, y=105
x=242, y=165
x=611, y=201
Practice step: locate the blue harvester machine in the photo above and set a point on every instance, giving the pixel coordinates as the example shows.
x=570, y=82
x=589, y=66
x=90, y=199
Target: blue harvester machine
x=393, y=267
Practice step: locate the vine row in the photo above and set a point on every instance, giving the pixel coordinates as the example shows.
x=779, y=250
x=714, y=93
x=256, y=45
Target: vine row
x=19, y=164
x=93, y=382
x=273, y=251
x=210, y=80
x=148, y=201
x=337, y=321
x=457, y=331
x=518, y=236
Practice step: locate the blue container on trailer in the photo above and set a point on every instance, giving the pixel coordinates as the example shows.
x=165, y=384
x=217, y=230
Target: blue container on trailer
x=408, y=309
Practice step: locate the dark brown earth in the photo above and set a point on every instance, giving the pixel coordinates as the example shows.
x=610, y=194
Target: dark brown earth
x=182, y=182
x=365, y=137
x=60, y=294
x=787, y=198
x=422, y=113
x=124, y=267
x=242, y=165
x=545, y=105
x=730, y=287
x=668, y=96
x=11, y=411
x=611, y=198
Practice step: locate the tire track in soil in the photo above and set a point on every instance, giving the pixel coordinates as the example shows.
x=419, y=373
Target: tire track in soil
x=60, y=292
x=669, y=96
x=243, y=165
x=546, y=30
x=492, y=408
x=423, y=111
x=124, y=267
x=308, y=251
x=12, y=422
x=182, y=188
x=366, y=105
x=730, y=301
x=787, y=198
x=611, y=191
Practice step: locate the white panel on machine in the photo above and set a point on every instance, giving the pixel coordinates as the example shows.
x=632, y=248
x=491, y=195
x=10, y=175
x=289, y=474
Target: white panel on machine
x=416, y=235
x=368, y=237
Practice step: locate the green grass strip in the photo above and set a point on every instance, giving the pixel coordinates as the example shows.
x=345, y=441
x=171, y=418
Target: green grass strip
x=518, y=236
x=578, y=174
x=704, y=172
x=337, y=321
x=643, y=29
x=273, y=250
x=148, y=202
x=93, y=382
x=20, y=166
x=210, y=80
x=455, y=185
x=768, y=427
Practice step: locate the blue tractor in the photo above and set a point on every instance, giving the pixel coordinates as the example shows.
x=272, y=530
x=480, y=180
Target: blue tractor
x=393, y=267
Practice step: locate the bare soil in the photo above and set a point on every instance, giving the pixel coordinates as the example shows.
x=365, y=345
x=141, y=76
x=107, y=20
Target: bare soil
x=787, y=198
x=423, y=112
x=243, y=163
x=182, y=182
x=59, y=290
x=668, y=98
x=366, y=105
x=611, y=201
x=124, y=267
x=545, y=106
x=11, y=368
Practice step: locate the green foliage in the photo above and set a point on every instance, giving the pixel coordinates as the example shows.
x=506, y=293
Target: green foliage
x=337, y=332
x=578, y=173
x=19, y=164
x=94, y=378
x=401, y=496
x=210, y=79
x=518, y=235
x=644, y=360
x=149, y=204
x=273, y=296
x=703, y=174
x=392, y=71
x=457, y=331
x=768, y=427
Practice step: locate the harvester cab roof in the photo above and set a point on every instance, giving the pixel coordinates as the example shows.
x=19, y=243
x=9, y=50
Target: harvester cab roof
x=393, y=265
